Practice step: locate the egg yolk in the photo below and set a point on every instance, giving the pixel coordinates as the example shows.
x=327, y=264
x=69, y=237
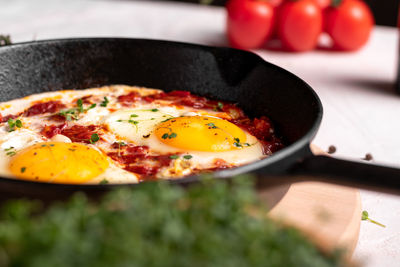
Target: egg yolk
x=201, y=133
x=56, y=162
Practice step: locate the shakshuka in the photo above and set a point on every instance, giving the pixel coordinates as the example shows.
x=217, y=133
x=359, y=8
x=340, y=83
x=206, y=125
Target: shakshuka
x=125, y=134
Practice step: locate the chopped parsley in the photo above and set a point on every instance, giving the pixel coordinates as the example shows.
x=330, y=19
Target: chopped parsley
x=12, y=124
x=134, y=115
x=10, y=151
x=94, y=138
x=23, y=169
x=105, y=102
x=169, y=136
x=212, y=125
x=173, y=156
x=187, y=156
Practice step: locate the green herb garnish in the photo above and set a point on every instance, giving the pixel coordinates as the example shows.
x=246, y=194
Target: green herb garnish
x=237, y=143
x=187, y=156
x=212, y=125
x=23, y=169
x=10, y=151
x=105, y=102
x=173, y=156
x=365, y=217
x=94, y=138
x=73, y=113
x=13, y=123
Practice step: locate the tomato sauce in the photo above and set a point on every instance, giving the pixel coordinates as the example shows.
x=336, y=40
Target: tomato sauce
x=45, y=107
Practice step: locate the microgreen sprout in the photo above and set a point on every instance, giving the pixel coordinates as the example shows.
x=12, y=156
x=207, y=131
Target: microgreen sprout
x=187, y=156
x=365, y=217
x=105, y=102
x=173, y=156
x=72, y=114
x=94, y=138
x=237, y=143
x=13, y=123
x=10, y=151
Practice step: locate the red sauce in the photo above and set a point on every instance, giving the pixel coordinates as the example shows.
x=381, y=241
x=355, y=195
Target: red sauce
x=262, y=129
x=6, y=118
x=137, y=159
x=80, y=133
x=45, y=107
x=51, y=130
x=129, y=98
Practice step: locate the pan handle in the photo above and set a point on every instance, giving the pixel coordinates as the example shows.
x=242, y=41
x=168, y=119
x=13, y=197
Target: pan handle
x=350, y=173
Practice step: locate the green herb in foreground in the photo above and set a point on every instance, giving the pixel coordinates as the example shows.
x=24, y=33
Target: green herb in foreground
x=156, y=224
x=365, y=217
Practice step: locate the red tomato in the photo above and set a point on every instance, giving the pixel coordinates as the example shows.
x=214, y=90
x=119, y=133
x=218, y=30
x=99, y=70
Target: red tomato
x=299, y=25
x=323, y=3
x=249, y=23
x=349, y=24
x=275, y=3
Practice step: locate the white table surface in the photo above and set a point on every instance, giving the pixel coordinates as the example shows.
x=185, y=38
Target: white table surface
x=362, y=113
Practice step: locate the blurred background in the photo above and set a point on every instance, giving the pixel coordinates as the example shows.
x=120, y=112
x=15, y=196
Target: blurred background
x=385, y=11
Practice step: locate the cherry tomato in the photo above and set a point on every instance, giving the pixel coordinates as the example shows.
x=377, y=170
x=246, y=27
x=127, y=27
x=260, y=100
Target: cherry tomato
x=299, y=25
x=249, y=23
x=275, y=3
x=349, y=24
x=323, y=3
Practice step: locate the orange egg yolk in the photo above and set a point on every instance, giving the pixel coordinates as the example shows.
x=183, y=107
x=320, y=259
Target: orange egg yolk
x=56, y=162
x=201, y=133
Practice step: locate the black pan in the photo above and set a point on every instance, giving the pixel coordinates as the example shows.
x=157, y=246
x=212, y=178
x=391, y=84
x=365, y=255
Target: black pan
x=260, y=88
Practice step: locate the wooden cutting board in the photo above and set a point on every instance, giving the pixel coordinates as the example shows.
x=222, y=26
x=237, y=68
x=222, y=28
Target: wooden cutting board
x=329, y=214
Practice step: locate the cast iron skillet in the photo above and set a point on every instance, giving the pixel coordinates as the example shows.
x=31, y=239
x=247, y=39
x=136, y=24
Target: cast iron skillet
x=258, y=87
